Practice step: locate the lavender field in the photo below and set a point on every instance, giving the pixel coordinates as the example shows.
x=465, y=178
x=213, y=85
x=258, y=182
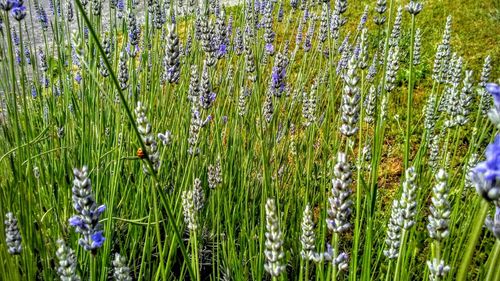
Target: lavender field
x=249, y=140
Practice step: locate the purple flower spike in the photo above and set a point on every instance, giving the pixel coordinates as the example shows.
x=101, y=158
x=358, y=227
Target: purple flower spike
x=269, y=48
x=494, y=90
x=78, y=78
x=222, y=49
x=19, y=12
x=33, y=92
x=486, y=175
x=86, y=221
x=491, y=167
x=7, y=5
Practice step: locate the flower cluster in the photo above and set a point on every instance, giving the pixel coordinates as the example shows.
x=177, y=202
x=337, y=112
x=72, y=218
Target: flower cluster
x=440, y=209
x=121, y=272
x=67, y=262
x=274, y=241
x=340, y=203
x=12, y=235
x=172, y=62
x=86, y=222
x=144, y=128
x=308, y=238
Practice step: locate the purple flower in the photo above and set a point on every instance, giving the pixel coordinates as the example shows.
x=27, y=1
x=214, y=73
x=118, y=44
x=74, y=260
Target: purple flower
x=491, y=167
x=18, y=56
x=78, y=78
x=222, y=49
x=281, y=12
x=97, y=239
x=100, y=209
x=207, y=120
x=42, y=17
x=7, y=5
x=77, y=222
x=45, y=82
x=132, y=50
x=277, y=78
x=494, y=90
x=269, y=48
x=19, y=12
x=86, y=222
x=15, y=38
x=224, y=119
x=33, y=92
x=493, y=224
x=27, y=54
x=74, y=56
x=486, y=175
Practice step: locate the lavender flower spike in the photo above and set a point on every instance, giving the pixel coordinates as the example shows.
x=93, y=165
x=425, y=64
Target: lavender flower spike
x=408, y=200
x=121, y=272
x=67, y=262
x=438, y=269
x=171, y=61
x=494, y=113
x=188, y=206
x=414, y=8
x=393, y=239
x=340, y=203
x=308, y=238
x=439, y=217
x=144, y=128
x=350, y=100
x=486, y=174
x=86, y=222
x=274, y=241
x=12, y=235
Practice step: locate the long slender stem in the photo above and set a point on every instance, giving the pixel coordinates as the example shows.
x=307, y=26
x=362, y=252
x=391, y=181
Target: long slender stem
x=473, y=240
x=13, y=77
x=409, y=104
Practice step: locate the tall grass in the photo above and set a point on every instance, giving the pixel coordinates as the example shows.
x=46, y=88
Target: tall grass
x=271, y=140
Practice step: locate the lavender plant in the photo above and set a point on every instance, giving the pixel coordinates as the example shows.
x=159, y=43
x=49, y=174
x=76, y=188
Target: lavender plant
x=12, y=234
x=86, y=221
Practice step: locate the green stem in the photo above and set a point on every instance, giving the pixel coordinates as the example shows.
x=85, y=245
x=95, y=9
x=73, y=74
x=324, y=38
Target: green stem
x=495, y=260
x=471, y=245
x=409, y=104
x=401, y=253
x=13, y=77
x=388, y=273
x=335, y=244
x=93, y=269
